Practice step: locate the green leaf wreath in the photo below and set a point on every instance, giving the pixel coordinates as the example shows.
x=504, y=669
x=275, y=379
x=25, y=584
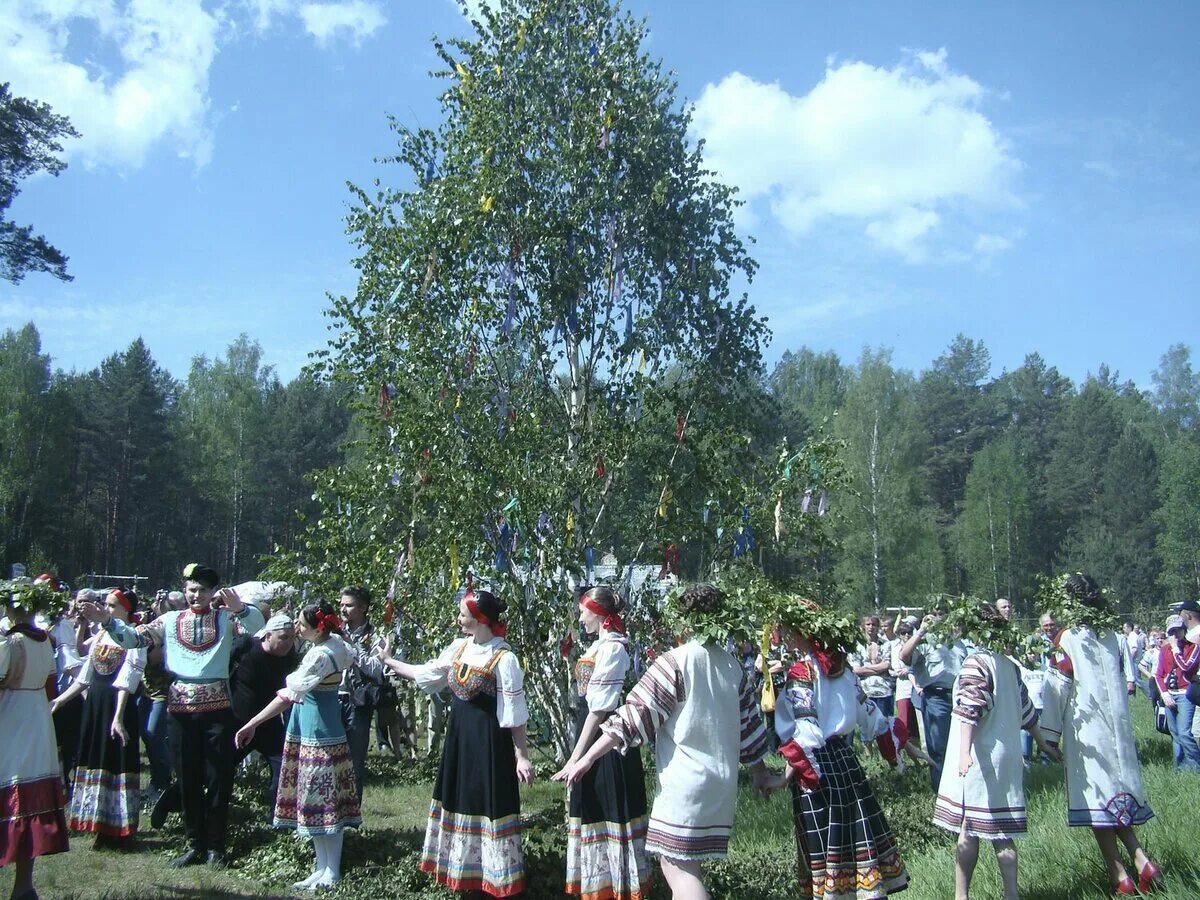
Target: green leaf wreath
x=34, y=598
x=966, y=618
x=1068, y=611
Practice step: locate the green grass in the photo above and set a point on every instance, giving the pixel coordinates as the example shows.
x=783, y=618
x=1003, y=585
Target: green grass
x=1057, y=863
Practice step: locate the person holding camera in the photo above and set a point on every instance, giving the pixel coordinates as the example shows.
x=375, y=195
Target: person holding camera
x=363, y=682
x=1176, y=658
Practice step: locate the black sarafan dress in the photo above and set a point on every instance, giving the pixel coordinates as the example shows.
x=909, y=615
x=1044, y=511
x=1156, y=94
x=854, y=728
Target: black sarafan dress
x=473, y=838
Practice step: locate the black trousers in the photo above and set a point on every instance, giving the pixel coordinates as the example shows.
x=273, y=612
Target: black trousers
x=203, y=755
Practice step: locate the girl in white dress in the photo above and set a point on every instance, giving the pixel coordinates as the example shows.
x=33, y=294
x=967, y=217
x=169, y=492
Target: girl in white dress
x=32, y=823
x=1086, y=706
x=982, y=790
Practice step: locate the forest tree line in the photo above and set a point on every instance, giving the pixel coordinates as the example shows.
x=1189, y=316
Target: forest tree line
x=960, y=479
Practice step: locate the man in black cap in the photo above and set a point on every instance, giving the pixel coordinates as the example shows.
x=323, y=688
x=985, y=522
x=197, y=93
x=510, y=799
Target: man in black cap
x=196, y=643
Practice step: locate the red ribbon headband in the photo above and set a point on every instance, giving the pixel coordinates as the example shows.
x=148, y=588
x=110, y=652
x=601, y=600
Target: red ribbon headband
x=498, y=628
x=327, y=621
x=610, y=620
x=123, y=600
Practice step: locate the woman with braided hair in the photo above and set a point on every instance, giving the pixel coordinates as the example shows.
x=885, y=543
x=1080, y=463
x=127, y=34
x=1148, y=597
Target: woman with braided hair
x=318, y=794
x=606, y=819
x=1086, y=707
x=473, y=836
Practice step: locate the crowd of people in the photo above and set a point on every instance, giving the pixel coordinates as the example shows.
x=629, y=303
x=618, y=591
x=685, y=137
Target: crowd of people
x=207, y=675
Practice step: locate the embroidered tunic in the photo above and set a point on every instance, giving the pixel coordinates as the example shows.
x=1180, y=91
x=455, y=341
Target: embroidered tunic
x=989, y=802
x=1086, y=707
x=196, y=649
x=606, y=816
x=317, y=789
x=473, y=836
x=698, y=706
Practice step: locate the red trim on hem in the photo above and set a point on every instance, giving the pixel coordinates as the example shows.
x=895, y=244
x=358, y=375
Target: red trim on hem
x=472, y=884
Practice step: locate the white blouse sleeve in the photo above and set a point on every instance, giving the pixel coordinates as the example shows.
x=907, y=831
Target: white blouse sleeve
x=129, y=676
x=84, y=676
x=433, y=676
x=510, y=692
x=5, y=655
x=608, y=677
x=316, y=665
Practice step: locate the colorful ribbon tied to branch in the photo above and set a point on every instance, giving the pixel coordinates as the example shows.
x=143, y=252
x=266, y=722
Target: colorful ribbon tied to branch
x=454, y=579
x=663, y=502
x=385, y=401
x=600, y=470
x=570, y=538
x=680, y=426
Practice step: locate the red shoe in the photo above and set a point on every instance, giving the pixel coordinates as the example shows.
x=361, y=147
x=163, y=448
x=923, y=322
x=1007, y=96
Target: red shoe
x=1150, y=877
x=1125, y=887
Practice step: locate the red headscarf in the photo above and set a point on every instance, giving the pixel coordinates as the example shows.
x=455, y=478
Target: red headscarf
x=609, y=620
x=498, y=628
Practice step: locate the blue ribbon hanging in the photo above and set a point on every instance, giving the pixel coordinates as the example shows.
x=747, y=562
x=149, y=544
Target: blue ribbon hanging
x=589, y=557
x=502, y=547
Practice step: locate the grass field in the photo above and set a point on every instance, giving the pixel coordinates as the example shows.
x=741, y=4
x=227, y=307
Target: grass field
x=1057, y=863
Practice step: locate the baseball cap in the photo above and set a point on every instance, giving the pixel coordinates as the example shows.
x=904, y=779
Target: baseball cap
x=1174, y=622
x=1190, y=605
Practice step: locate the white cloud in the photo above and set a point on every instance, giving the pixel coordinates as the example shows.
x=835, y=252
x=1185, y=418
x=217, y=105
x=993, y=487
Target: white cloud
x=160, y=95
x=133, y=75
x=903, y=151
x=355, y=19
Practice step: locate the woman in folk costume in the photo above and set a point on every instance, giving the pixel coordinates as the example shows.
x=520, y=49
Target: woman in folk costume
x=982, y=791
x=473, y=838
x=698, y=706
x=318, y=793
x=1086, y=706
x=32, y=799
x=844, y=847
x=106, y=797
x=606, y=819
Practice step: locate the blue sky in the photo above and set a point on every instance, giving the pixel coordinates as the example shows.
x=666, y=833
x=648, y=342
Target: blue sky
x=1025, y=173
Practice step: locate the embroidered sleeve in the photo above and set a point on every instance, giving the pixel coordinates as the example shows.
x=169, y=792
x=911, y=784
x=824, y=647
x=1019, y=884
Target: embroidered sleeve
x=131, y=638
x=608, y=677
x=434, y=675
x=796, y=717
x=511, y=710
x=315, y=666
x=648, y=705
x=248, y=620
x=975, y=692
x=753, y=731
x=871, y=721
x=129, y=676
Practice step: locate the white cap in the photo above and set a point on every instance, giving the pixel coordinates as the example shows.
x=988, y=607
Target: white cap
x=277, y=622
